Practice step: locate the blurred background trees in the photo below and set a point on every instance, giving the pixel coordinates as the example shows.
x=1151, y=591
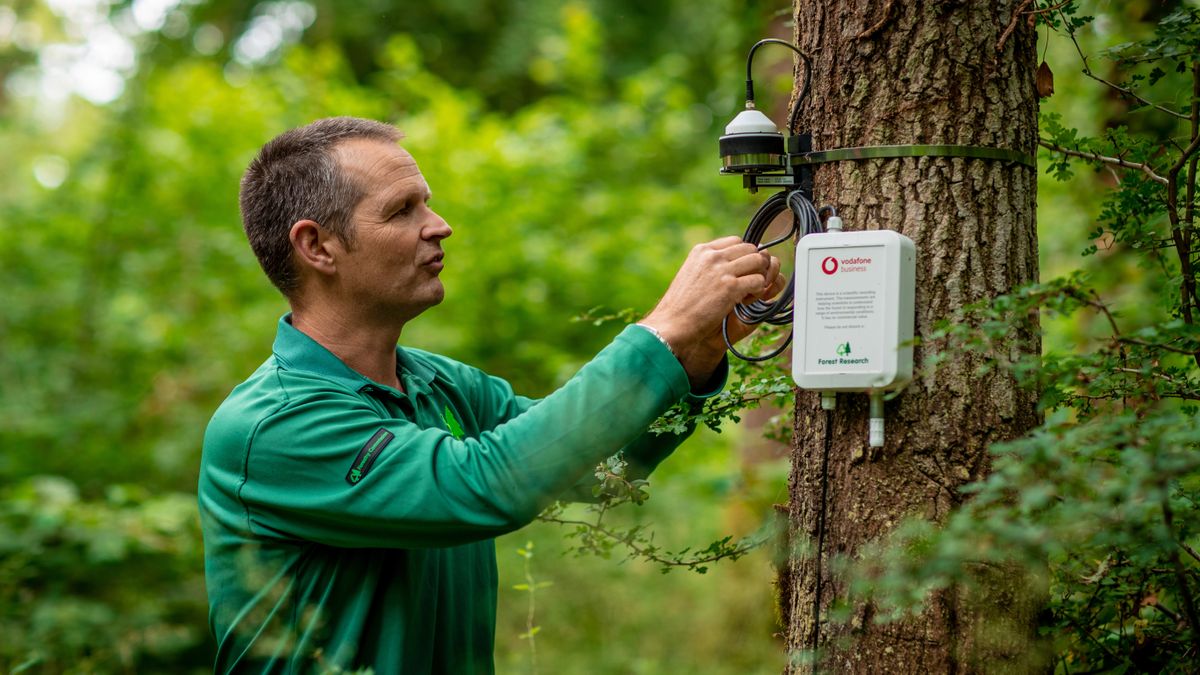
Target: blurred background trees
x=572, y=147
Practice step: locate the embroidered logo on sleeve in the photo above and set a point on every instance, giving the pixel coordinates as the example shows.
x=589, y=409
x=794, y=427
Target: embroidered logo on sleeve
x=366, y=457
x=452, y=424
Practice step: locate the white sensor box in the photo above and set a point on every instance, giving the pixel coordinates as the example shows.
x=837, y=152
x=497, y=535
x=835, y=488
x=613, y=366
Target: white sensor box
x=854, y=311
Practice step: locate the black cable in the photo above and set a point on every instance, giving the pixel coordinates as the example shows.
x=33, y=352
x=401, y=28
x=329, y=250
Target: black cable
x=816, y=618
x=777, y=312
x=795, y=114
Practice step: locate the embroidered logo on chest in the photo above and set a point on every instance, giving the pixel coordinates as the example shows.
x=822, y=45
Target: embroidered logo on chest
x=452, y=424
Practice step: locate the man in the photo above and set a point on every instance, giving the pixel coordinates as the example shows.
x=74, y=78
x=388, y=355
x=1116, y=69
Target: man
x=350, y=489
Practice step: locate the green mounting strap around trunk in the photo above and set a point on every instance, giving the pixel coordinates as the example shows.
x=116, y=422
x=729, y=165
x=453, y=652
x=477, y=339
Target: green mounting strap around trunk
x=892, y=151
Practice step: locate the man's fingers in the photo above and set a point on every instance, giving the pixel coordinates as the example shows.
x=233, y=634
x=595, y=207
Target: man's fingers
x=737, y=252
x=770, y=293
x=772, y=275
x=776, y=286
x=737, y=330
x=715, y=276
x=773, y=272
x=724, y=242
x=751, y=284
x=753, y=263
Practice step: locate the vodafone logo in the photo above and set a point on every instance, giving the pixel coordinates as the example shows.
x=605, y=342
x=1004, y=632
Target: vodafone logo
x=832, y=265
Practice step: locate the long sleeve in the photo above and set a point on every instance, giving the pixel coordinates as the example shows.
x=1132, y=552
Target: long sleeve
x=419, y=486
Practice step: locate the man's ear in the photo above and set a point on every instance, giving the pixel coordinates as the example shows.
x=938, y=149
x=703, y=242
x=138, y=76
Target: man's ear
x=315, y=247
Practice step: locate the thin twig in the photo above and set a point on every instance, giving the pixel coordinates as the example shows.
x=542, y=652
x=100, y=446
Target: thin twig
x=1087, y=634
x=1096, y=157
x=1012, y=25
x=1161, y=376
x=1164, y=610
x=1190, y=207
x=1156, y=345
x=870, y=32
x=1130, y=93
x=744, y=546
x=1184, y=157
x=1191, y=551
x=1185, y=590
x=529, y=617
x=1047, y=10
x=1087, y=70
x=1181, y=395
x=1182, y=237
x=1097, y=303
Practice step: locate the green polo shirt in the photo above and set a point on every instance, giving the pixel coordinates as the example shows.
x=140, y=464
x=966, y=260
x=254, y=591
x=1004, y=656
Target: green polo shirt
x=348, y=524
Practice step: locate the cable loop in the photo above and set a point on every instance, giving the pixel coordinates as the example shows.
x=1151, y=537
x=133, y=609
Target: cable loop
x=795, y=113
x=777, y=312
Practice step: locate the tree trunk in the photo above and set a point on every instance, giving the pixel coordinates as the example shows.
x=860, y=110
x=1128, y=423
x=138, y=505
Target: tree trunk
x=918, y=72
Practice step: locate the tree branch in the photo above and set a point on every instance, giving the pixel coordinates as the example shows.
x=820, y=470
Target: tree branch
x=1047, y=10
x=1190, y=207
x=1012, y=25
x=1096, y=157
x=1156, y=345
x=887, y=15
x=1097, y=303
x=1187, y=284
x=648, y=552
x=1186, y=155
x=1185, y=590
x=1183, y=241
x=1181, y=394
x=1087, y=70
x=1174, y=617
x=1191, y=551
x=1161, y=376
x=1130, y=93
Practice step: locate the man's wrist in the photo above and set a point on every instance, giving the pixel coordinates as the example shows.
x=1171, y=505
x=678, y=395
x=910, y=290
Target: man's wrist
x=699, y=360
x=700, y=364
x=658, y=334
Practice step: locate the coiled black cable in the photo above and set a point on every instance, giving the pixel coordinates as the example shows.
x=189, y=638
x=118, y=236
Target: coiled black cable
x=777, y=312
x=805, y=220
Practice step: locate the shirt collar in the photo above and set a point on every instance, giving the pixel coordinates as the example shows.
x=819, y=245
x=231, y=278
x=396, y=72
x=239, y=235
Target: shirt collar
x=300, y=352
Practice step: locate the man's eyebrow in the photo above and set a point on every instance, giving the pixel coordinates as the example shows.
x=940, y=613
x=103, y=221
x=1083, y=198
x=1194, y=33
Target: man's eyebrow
x=396, y=199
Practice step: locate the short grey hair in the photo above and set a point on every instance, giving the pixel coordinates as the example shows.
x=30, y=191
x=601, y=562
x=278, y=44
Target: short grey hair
x=297, y=177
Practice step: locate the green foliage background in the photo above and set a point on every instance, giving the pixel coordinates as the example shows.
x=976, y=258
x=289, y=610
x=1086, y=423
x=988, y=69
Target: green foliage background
x=576, y=163
x=572, y=147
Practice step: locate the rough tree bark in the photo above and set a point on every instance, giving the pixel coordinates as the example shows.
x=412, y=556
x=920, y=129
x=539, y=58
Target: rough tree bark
x=918, y=72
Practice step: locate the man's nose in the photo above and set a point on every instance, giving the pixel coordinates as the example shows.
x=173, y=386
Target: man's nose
x=438, y=229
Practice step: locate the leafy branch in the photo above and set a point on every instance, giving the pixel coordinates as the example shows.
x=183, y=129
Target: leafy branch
x=1072, y=24
x=614, y=489
x=1097, y=157
x=726, y=406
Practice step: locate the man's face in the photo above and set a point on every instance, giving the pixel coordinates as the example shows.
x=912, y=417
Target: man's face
x=396, y=257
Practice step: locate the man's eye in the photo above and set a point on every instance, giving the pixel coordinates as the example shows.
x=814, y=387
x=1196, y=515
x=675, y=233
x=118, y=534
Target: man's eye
x=403, y=211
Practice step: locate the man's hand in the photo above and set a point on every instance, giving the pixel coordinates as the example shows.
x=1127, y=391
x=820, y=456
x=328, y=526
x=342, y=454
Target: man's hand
x=716, y=276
